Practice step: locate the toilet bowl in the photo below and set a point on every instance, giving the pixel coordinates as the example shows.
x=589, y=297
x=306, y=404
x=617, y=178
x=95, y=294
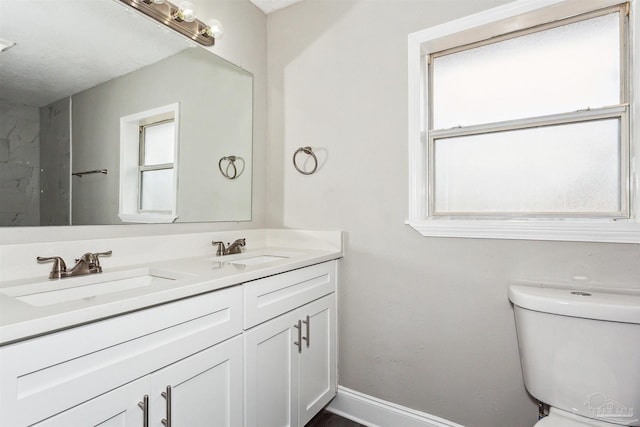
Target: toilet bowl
x=580, y=354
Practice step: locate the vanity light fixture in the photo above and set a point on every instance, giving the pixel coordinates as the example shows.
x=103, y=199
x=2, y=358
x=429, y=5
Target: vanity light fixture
x=181, y=18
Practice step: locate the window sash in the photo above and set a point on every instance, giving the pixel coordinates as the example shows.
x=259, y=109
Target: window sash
x=145, y=168
x=143, y=139
x=621, y=9
x=620, y=111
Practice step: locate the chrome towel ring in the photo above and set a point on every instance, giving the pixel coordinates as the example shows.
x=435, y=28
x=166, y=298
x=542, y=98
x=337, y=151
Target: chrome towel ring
x=309, y=152
x=231, y=170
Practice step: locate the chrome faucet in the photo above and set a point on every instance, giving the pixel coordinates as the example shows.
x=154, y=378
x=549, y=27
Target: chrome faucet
x=232, y=248
x=88, y=263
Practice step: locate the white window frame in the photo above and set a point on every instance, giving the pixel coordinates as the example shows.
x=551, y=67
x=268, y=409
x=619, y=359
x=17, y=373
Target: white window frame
x=494, y=22
x=130, y=167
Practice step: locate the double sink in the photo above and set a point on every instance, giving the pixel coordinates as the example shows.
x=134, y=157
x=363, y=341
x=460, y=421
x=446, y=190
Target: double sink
x=50, y=292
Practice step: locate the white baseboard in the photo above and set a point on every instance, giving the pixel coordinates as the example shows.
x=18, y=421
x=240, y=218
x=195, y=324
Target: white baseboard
x=374, y=412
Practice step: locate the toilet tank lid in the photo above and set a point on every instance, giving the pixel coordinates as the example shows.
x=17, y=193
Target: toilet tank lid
x=602, y=305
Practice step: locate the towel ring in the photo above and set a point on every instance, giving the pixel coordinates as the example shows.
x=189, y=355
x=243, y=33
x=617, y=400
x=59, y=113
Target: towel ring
x=231, y=171
x=308, y=151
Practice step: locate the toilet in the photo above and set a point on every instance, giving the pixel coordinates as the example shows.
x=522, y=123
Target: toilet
x=580, y=354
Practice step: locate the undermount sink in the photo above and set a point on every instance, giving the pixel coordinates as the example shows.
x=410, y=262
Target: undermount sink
x=260, y=259
x=88, y=286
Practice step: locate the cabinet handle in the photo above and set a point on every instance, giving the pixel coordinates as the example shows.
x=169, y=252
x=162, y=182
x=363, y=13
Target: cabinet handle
x=167, y=396
x=144, y=405
x=299, y=342
x=308, y=337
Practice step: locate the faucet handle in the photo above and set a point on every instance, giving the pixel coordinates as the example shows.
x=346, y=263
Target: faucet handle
x=96, y=258
x=92, y=260
x=221, y=248
x=99, y=254
x=59, y=266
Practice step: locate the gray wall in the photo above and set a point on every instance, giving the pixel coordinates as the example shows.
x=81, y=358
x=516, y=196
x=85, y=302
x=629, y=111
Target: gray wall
x=55, y=175
x=423, y=322
x=19, y=164
x=215, y=100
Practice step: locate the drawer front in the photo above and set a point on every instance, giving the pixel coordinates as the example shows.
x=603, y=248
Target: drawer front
x=267, y=298
x=44, y=376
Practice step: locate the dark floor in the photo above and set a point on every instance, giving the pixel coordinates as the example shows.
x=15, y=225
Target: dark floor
x=327, y=419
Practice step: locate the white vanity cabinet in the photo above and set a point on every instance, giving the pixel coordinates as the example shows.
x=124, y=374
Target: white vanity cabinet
x=290, y=359
x=202, y=390
x=260, y=353
x=116, y=408
x=97, y=374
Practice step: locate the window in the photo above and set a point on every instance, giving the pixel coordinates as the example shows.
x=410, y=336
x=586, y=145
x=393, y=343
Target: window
x=148, y=165
x=520, y=124
x=155, y=173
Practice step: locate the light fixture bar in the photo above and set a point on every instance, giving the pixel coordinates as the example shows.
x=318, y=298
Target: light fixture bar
x=165, y=14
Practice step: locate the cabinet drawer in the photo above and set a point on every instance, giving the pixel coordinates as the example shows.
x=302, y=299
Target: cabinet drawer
x=44, y=376
x=267, y=298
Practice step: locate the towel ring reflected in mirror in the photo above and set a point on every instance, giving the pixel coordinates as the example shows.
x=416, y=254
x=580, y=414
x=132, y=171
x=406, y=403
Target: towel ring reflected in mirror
x=308, y=151
x=228, y=167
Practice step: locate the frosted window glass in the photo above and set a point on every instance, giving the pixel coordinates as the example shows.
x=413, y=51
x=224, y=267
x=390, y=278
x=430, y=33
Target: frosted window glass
x=156, y=190
x=563, y=69
x=159, y=143
x=571, y=168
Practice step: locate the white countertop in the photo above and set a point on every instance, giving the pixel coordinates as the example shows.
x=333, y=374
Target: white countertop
x=196, y=275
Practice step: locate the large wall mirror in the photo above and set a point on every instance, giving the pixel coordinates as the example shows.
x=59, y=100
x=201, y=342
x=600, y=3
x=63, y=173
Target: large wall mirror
x=78, y=71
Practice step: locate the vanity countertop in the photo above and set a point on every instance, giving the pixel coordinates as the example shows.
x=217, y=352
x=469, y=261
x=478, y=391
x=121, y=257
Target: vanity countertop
x=190, y=276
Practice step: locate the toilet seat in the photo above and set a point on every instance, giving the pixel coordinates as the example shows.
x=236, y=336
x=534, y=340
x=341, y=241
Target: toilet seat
x=559, y=418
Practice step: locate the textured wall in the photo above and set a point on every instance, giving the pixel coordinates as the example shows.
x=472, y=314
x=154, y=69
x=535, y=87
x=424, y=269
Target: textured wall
x=423, y=322
x=19, y=164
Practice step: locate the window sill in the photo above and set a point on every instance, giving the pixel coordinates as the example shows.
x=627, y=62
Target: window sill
x=558, y=230
x=147, y=218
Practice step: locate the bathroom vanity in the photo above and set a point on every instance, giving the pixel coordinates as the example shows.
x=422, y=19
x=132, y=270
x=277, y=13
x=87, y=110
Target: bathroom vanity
x=247, y=339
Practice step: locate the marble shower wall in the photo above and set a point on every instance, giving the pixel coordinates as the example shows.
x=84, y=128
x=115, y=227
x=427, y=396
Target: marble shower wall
x=55, y=173
x=19, y=164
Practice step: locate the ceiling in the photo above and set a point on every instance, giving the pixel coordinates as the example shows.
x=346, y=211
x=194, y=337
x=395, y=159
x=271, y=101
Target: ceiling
x=269, y=6
x=37, y=70
x=88, y=43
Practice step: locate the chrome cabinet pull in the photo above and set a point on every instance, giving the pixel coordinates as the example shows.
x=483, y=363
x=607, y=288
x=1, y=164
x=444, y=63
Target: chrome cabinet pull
x=299, y=342
x=167, y=396
x=308, y=337
x=144, y=405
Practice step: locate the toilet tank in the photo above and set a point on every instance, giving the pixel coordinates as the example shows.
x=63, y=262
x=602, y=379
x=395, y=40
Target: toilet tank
x=580, y=351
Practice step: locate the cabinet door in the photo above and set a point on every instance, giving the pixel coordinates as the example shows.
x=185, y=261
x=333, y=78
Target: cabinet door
x=318, y=380
x=117, y=408
x=271, y=373
x=203, y=390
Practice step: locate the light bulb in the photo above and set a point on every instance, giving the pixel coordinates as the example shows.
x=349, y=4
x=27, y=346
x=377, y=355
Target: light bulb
x=186, y=12
x=214, y=29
